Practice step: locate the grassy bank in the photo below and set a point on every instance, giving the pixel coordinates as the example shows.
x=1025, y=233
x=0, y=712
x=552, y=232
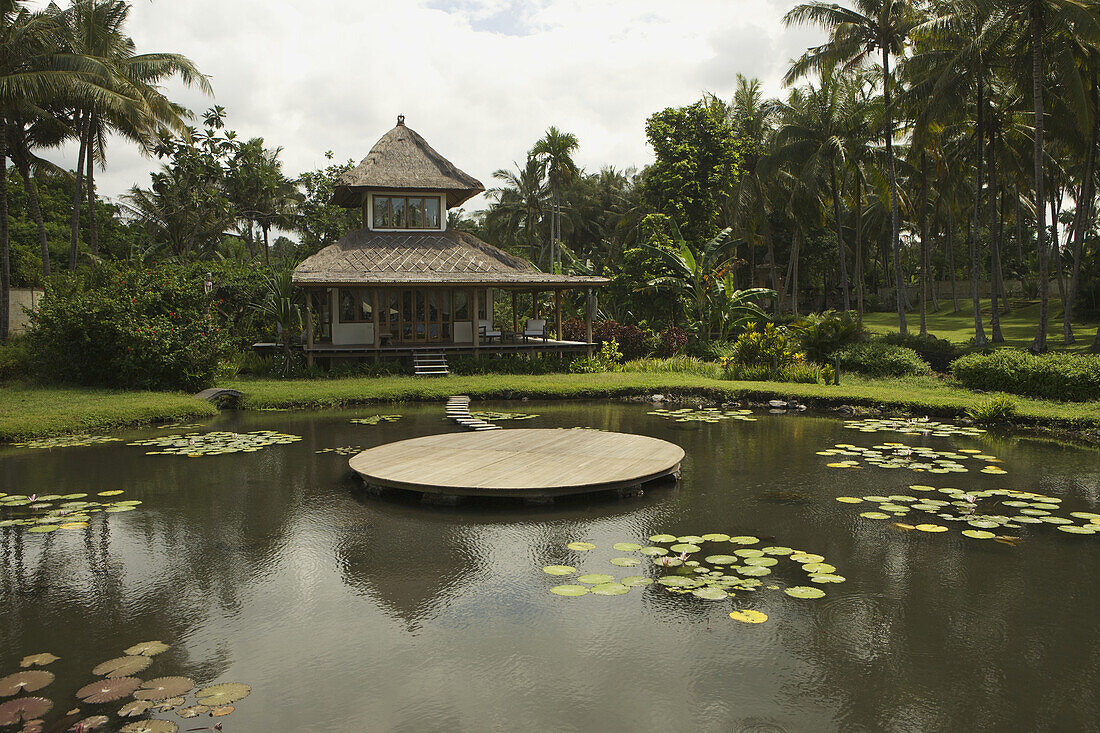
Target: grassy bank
x=35, y=411
x=28, y=411
x=1018, y=325
x=926, y=395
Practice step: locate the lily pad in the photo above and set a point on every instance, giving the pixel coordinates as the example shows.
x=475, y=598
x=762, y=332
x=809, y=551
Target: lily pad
x=26, y=681
x=559, y=570
x=223, y=694
x=625, y=562
x=677, y=581
x=653, y=551
x=147, y=648
x=754, y=570
x=744, y=540
x=931, y=528
x=595, y=578
x=193, y=712
x=849, y=500
x=108, y=690
x=1074, y=529
x=719, y=537
x=626, y=547
x=609, y=589
x=150, y=726
x=90, y=723
x=749, y=616
x=122, y=666
x=721, y=559
x=685, y=547
x=569, y=590
x=163, y=688
x=134, y=708
x=827, y=578
x=819, y=567
x=662, y=538
x=710, y=594
x=636, y=580
x=20, y=709
x=874, y=515
x=38, y=660
x=222, y=710
x=978, y=534
x=581, y=546
x=804, y=591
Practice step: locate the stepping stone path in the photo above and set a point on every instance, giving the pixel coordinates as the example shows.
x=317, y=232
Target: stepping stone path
x=458, y=410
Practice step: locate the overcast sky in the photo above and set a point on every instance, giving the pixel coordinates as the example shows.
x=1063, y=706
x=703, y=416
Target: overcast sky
x=479, y=79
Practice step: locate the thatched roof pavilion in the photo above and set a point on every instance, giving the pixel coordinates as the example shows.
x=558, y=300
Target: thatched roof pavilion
x=404, y=282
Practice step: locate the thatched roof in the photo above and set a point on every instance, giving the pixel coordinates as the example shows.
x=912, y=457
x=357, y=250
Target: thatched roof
x=402, y=159
x=364, y=257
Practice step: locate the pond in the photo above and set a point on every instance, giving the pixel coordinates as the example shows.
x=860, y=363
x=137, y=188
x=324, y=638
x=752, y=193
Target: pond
x=345, y=611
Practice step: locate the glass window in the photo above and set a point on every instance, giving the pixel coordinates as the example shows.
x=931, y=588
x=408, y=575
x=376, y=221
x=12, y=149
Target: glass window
x=394, y=306
x=347, y=306
x=482, y=302
x=397, y=220
x=366, y=307
x=416, y=213
x=431, y=213
x=445, y=304
x=462, y=305
x=433, y=305
x=420, y=305
x=381, y=212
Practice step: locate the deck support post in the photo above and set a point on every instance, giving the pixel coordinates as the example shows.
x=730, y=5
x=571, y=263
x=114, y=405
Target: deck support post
x=557, y=311
x=309, y=328
x=475, y=320
x=588, y=320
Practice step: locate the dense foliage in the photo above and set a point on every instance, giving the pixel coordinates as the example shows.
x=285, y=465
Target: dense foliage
x=880, y=359
x=1069, y=377
x=127, y=327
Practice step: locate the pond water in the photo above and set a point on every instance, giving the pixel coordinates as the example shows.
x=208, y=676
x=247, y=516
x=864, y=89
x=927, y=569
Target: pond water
x=347, y=612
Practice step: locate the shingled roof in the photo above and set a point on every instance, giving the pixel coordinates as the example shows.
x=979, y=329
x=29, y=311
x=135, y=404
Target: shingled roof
x=365, y=257
x=402, y=159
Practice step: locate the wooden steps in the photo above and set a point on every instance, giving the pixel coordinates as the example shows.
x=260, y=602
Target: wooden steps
x=458, y=410
x=430, y=364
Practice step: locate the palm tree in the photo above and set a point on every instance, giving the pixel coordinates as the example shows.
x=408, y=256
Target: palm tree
x=523, y=199
x=555, y=153
x=96, y=29
x=855, y=36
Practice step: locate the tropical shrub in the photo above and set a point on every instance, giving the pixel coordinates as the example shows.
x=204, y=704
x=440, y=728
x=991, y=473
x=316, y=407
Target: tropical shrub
x=680, y=364
x=129, y=327
x=996, y=409
x=939, y=353
x=633, y=341
x=503, y=364
x=880, y=359
x=610, y=359
x=1071, y=377
x=822, y=334
x=672, y=341
x=15, y=359
x=766, y=346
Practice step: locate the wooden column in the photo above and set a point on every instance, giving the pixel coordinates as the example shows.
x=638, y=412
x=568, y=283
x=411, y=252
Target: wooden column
x=309, y=327
x=376, y=316
x=588, y=320
x=557, y=310
x=474, y=319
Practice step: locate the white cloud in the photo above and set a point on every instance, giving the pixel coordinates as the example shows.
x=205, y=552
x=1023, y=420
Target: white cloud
x=480, y=79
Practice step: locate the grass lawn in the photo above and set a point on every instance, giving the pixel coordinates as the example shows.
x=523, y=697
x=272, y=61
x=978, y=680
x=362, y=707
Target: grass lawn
x=1018, y=325
x=28, y=411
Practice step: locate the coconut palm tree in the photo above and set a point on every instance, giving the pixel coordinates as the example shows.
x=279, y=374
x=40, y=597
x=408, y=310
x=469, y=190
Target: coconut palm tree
x=555, y=153
x=856, y=35
x=523, y=199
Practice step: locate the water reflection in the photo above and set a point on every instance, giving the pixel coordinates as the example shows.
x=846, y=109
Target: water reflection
x=348, y=612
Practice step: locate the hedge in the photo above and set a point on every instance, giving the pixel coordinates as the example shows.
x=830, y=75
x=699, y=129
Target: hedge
x=879, y=359
x=1070, y=377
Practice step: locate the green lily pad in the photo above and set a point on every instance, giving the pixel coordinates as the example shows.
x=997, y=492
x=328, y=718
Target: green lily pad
x=804, y=591
x=685, y=547
x=754, y=570
x=1075, y=529
x=818, y=567
x=874, y=515
x=748, y=552
x=626, y=547
x=625, y=562
x=559, y=570
x=978, y=534
x=719, y=537
x=721, y=559
x=744, y=540
x=662, y=538
x=595, y=578
x=766, y=562
x=581, y=546
x=776, y=550
x=749, y=616
x=678, y=581
x=827, y=578
x=609, y=589
x=569, y=590
x=653, y=551
x=710, y=594
x=636, y=580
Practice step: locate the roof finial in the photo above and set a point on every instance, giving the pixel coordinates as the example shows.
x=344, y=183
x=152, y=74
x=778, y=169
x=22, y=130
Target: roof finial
x=401, y=119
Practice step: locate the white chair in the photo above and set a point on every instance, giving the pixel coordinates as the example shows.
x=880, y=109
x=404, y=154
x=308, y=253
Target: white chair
x=486, y=331
x=536, y=328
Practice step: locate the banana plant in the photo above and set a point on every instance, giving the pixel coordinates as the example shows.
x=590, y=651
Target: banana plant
x=695, y=277
x=736, y=307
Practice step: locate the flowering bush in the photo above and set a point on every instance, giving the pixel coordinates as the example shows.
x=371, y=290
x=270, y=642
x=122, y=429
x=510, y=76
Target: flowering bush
x=766, y=346
x=672, y=341
x=135, y=327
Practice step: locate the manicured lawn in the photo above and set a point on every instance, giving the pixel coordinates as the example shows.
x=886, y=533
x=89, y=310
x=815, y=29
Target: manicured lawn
x=1017, y=325
x=27, y=411
x=35, y=411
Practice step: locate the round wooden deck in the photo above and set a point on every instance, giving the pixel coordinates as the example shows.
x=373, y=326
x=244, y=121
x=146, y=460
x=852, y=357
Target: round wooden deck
x=528, y=462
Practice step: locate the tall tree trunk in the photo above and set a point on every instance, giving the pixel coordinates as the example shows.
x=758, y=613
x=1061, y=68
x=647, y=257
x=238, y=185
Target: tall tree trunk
x=895, y=223
x=93, y=224
x=794, y=274
x=840, y=241
x=1020, y=259
x=31, y=187
x=1084, y=214
x=267, y=245
x=1039, y=344
x=74, y=241
x=951, y=256
x=5, y=265
x=859, y=245
x=923, y=219
x=976, y=232
x=996, y=229
x=1056, y=244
